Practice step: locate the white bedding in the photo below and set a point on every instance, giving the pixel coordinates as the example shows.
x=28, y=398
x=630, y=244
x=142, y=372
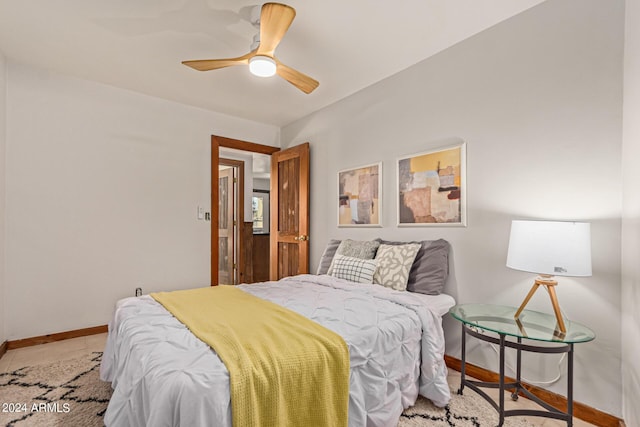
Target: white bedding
x=162, y=375
x=439, y=304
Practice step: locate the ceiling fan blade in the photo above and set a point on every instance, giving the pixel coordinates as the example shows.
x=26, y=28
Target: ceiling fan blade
x=275, y=19
x=296, y=78
x=214, y=64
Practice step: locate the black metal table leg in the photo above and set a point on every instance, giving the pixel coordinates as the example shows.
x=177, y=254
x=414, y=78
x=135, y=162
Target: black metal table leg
x=570, y=386
x=501, y=386
x=464, y=358
x=516, y=391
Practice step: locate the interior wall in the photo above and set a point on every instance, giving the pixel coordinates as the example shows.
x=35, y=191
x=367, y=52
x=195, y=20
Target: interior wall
x=631, y=218
x=102, y=191
x=261, y=184
x=538, y=100
x=3, y=131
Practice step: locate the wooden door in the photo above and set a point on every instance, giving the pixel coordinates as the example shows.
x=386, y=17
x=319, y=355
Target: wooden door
x=226, y=247
x=289, y=200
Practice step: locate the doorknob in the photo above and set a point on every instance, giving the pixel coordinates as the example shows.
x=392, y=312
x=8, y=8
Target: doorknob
x=301, y=238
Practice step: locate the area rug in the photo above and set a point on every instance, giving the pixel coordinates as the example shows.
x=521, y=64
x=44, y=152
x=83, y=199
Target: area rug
x=469, y=410
x=70, y=393
x=66, y=393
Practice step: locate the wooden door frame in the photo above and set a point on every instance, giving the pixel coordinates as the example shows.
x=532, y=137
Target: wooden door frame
x=218, y=142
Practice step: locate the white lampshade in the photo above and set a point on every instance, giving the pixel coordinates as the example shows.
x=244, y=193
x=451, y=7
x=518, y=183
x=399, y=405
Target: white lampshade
x=550, y=247
x=262, y=66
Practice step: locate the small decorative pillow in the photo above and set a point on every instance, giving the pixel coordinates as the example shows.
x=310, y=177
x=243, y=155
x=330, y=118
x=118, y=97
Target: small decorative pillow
x=430, y=269
x=354, y=269
x=394, y=265
x=327, y=256
x=364, y=249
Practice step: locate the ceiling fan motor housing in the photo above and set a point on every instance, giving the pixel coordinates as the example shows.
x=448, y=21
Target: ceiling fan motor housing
x=254, y=17
x=256, y=42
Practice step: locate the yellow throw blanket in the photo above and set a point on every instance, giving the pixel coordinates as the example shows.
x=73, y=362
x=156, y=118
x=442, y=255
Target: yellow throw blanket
x=285, y=370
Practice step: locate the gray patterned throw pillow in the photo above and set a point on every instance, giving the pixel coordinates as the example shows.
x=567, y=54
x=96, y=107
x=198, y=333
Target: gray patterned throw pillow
x=364, y=249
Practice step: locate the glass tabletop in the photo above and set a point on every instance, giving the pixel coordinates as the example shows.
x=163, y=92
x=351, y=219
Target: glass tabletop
x=531, y=324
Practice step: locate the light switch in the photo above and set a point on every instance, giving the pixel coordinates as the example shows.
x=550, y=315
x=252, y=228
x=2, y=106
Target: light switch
x=200, y=212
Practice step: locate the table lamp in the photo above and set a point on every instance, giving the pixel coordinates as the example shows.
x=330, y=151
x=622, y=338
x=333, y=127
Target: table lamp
x=549, y=248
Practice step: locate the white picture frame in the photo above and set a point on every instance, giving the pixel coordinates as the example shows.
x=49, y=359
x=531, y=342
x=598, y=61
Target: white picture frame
x=360, y=196
x=432, y=188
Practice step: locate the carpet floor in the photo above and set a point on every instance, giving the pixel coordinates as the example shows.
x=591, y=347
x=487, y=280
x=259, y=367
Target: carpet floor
x=70, y=393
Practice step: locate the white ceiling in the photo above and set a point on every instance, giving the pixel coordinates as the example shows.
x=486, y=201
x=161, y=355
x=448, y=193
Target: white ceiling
x=139, y=44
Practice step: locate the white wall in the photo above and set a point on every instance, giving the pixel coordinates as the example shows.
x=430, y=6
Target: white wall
x=538, y=101
x=102, y=189
x=631, y=218
x=261, y=184
x=3, y=128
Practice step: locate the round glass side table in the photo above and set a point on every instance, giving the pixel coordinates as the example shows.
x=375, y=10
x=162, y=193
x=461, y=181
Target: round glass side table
x=496, y=324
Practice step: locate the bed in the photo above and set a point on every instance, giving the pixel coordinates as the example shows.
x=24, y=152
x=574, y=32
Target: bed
x=162, y=375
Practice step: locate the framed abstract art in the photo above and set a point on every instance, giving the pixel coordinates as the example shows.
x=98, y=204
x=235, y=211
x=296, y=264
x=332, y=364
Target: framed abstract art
x=359, y=196
x=432, y=188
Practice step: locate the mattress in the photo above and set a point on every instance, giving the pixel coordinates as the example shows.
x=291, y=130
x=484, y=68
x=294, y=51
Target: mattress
x=162, y=375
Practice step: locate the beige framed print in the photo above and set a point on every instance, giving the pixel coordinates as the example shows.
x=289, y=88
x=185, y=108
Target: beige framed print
x=432, y=188
x=359, y=196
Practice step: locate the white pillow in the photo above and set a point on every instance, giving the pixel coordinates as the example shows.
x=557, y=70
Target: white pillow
x=354, y=269
x=394, y=265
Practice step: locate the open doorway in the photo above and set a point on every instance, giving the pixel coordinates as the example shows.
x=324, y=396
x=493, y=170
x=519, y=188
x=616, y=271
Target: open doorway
x=251, y=236
x=288, y=253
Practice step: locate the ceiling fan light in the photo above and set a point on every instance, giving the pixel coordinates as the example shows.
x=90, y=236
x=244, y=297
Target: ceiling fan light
x=262, y=66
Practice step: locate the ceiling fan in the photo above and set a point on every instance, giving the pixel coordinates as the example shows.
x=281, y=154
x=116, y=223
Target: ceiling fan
x=275, y=19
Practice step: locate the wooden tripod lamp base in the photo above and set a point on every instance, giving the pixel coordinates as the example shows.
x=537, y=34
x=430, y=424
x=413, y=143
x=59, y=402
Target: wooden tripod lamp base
x=549, y=285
